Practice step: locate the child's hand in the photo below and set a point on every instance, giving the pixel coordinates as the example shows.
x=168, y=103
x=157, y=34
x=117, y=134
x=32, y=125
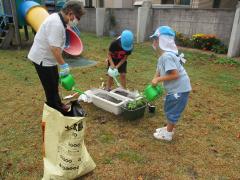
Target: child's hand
x=112, y=66
x=154, y=81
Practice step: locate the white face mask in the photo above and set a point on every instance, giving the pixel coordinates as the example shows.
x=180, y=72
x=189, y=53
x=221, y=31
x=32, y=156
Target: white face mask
x=154, y=47
x=73, y=23
x=155, y=44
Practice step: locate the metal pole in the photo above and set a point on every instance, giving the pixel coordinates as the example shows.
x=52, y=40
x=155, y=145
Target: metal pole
x=15, y=21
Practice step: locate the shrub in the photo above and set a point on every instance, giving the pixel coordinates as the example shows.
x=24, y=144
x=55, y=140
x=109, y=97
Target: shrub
x=182, y=40
x=220, y=49
x=205, y=41
x=202, y=41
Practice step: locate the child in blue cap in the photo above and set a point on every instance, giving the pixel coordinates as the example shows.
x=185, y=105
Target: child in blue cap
x=171, y=73
x=119, y=51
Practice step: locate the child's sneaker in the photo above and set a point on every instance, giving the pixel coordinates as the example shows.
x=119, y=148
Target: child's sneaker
x=107, y=89
x=164, y=135
x=163, y=128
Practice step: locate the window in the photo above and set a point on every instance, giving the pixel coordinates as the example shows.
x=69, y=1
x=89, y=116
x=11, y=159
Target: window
x=101, y=3
x=88, y=3
x=216, y=3
x=167, y=1
x=185, y=2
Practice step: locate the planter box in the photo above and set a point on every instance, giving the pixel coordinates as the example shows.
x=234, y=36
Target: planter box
x=107, y=101
x=133, y=114
x=124, y=93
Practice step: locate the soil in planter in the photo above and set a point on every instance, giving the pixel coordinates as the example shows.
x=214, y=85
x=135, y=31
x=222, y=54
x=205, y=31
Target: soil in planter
x=121, y=93
x=109, y=98
x=125, y=94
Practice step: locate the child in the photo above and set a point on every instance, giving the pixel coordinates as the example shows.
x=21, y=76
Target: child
x=174, y=77
x=117, y=56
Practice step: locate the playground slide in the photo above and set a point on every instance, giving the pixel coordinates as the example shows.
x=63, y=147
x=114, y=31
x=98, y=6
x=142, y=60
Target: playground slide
x=34, y=14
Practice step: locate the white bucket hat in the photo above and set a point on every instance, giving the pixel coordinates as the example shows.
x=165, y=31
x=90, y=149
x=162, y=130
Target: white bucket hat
x=166, y=37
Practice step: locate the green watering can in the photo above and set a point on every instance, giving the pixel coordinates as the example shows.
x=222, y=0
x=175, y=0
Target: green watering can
x=151, y=92
x=68, y=83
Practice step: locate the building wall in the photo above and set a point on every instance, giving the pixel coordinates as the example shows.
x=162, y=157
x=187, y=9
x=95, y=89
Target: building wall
x=127, y=3
x=228, y=3
x=110, y=3
x=202, y=3
x=117, y=3
x=125, y=19
x=195, y=3
x=156, y=1
x=88, y=21
x=193, y=21
x=187, y=21
x=209, y=3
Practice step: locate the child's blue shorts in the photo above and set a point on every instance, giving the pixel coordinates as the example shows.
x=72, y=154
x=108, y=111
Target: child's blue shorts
x=174, y=106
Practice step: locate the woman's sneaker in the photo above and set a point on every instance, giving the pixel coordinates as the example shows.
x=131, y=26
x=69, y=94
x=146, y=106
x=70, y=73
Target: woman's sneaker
x=164, y=135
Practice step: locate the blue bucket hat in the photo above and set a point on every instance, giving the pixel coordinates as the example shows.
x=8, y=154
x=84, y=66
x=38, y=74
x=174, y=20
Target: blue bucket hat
x=127, y=40
x=163, y=30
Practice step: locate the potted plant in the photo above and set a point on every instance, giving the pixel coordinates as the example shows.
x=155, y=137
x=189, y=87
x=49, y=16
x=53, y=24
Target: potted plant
x=134, y=109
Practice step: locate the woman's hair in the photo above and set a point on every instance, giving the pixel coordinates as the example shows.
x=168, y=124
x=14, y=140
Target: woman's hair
x=75, y=6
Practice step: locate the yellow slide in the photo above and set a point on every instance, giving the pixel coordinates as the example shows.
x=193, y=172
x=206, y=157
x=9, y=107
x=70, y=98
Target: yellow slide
x=34, y=14
x=35, y=17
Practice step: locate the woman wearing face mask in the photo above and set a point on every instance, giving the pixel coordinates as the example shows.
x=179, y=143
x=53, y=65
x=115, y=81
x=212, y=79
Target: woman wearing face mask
x=174, y=77
x=46, y=51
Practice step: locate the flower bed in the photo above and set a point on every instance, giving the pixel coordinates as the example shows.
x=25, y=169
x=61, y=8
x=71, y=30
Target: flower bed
x=202, y=41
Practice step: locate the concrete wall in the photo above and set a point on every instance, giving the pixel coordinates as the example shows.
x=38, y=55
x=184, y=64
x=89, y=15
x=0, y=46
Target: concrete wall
x=193, y=21
x=187, y=21
x=88, y=21
x=125, y=19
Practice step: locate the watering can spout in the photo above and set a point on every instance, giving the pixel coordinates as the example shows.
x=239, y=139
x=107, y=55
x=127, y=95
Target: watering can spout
x=68, y=83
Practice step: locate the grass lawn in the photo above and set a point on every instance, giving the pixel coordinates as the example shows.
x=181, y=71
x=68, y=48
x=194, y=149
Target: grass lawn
x=205, y=145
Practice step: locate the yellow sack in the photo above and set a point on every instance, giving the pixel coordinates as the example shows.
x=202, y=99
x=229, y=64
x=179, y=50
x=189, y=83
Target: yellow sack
x=65, y=154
